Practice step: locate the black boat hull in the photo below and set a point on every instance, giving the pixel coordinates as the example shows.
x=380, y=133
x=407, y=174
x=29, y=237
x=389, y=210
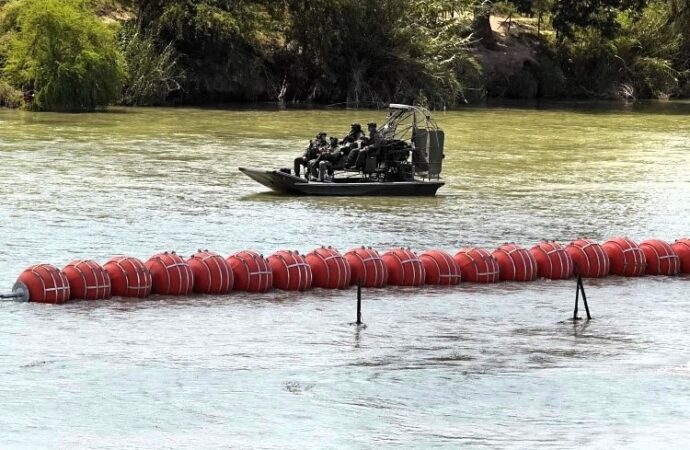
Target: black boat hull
x=290, y=184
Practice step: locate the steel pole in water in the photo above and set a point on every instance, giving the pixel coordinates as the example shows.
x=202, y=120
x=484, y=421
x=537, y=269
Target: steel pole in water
x=359, y=303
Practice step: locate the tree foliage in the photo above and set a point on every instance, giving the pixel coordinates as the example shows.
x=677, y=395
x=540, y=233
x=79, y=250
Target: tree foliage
x=58, y=49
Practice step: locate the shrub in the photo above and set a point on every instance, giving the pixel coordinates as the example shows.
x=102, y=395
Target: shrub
x=9, y=96
x=58, y=49
x=152, y=74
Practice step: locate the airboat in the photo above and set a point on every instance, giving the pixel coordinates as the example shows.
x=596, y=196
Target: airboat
x=408, y=162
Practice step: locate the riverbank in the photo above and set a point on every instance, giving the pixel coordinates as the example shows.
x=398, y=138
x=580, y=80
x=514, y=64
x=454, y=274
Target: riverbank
x=364, y=53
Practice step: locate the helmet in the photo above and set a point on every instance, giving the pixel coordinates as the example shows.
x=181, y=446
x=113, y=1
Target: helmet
x=371, y=125
x=356, y=125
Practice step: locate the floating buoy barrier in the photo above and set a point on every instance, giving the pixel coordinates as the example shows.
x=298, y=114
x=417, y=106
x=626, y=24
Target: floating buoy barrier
x=212, y=273
x=43, y=283
x=660, y=257
x=440, y=268
x=404, y=267
x=129, y=277
x=515, y=263
x=553, y=261
x=625, y=256
x=477, y=265
x=87, y=280
x=171, y=275
x=589, y=258
x=206, y=272
x=290, y=271
x=330, y=269
x=367, y=268
x=250, y=271
x=682, y=248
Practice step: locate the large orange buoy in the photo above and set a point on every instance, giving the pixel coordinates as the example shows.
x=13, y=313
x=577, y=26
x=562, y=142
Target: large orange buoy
x=129, y=277
x=329, y=268
x=626, y=257
x=661, y=259
x=367, y=267
x=477, y=265
x=515, y=263
x=682, y=248
x=553, y=262
x=404, y=267
x=212, y=273
x=87, y=280
x=171, y=274
x=290, y=271
x=251, y=272
x=44, y=283
x=439, y=268
x=589, y=258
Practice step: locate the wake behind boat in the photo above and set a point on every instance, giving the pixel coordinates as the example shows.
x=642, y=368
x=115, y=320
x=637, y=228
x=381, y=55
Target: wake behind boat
x=404, y=157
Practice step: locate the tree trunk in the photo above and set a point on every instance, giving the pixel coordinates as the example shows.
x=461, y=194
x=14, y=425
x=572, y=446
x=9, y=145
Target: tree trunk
x=481, y=26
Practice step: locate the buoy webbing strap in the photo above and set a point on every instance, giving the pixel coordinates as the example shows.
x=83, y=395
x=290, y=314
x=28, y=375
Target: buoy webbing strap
x=340, y=260
x=527, y=263
x=62, y=289
x=378, y=263
x=175, y=262
x=491, y=269
x=451, y=267
x=673, y=259
x=639, y=261
x=262, y=270
x=223, y=270
x=139, y=269
x=567, y=267
x=300, y=265
x=97, y=273
x=601, y=259
x=414, y=262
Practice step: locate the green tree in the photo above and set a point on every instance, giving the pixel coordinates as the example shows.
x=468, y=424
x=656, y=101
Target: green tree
x=58, y=49
x=569, y=15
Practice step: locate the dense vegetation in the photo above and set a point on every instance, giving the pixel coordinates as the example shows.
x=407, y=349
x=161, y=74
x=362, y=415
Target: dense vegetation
x=77, y=55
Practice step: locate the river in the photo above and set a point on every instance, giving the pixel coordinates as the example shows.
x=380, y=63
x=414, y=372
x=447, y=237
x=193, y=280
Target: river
x=474, y=366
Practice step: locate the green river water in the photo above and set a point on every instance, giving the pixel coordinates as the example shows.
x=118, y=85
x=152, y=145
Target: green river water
x=477, y=366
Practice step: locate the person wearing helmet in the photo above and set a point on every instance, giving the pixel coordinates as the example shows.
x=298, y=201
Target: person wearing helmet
x=354, y=135
x=316, y=146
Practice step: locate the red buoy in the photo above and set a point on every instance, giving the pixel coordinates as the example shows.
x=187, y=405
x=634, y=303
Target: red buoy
x=439, y=268
x=87, y=280
x=290, y=271
x=404, y=267
x=589, y=258
x=129, y=277
x=682, y=248
x=45, y=284
x=329, y=268
x=171, y=274
x=515, y=263
x=477, y=265
x=661, y=259
x=626, y=257
x=212, y=273
x=251, y=272
x=367, y=267
x=553, y=262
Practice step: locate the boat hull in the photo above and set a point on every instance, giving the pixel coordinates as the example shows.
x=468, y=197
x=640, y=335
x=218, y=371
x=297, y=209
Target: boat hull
x=290, y=184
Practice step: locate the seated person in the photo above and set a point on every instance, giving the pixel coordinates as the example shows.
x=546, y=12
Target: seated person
x=312, y=152
x=354, y=135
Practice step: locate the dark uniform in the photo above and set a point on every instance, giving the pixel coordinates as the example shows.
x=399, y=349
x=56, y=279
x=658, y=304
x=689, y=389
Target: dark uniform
x=312, y=152
x=371, y=149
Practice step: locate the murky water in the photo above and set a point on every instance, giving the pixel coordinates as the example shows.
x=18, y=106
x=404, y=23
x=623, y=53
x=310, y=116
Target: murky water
x=475, y=366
